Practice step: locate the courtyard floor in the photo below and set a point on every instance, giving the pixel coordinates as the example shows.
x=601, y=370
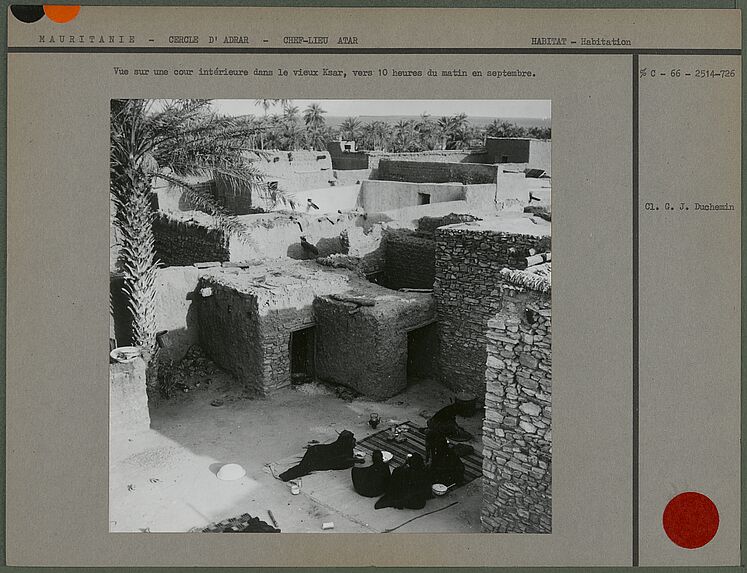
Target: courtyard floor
x=164, y=479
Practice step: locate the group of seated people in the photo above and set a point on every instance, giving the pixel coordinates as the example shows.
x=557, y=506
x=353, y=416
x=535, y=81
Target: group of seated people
x=409, y=485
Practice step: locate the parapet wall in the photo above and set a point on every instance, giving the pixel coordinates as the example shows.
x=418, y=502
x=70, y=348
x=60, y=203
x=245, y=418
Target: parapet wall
x=433, y=156
x=436, y=172
x=370, y=159
x=284, y=163
x=517, y=431
x=469, y=258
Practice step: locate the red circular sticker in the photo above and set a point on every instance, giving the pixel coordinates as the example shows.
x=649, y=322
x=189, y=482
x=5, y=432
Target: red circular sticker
x=690, y=520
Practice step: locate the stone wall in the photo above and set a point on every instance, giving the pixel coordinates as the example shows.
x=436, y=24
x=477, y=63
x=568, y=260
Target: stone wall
x=367, y=349
x=436, y=172
x=180, y=243
x=409, y=260
x=469, y=258
x=517, y=431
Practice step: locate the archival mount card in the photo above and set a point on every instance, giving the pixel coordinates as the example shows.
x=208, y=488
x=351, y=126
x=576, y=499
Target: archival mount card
x=334, y=325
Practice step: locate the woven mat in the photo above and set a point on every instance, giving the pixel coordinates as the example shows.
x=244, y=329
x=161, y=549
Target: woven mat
x=415, y=444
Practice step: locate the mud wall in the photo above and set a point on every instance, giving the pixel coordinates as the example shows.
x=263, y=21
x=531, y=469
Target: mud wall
x=467, y=293
x=540, y=155
x=128, y=399
x=175, y=312
x=517, y=434
x=350, y=160
x=329, y=199
x=434, y=156
x=507, y=149
x=378, y=196
x=279, y=236
x=367, y=350
x=229, y=331
x=245, y=325
x=436, y=172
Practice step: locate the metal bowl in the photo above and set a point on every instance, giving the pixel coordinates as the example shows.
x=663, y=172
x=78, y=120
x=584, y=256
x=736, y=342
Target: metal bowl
x=439, y=489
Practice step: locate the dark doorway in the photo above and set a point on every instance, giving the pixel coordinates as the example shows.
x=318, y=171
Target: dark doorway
x=422, y=352
x=424, y=198
x=302, y=353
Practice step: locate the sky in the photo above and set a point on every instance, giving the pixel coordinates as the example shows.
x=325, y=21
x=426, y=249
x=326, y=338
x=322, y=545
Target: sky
x=350, y=108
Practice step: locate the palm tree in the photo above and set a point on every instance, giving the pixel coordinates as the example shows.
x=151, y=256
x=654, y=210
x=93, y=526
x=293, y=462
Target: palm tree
x=313, y=116
x=428, y=132
x=405, y=138
x=317, y=134
x=290, y=113
x=171, y=141
x=454, y=131
x=382, y=133
x=498, y=128
x=350, y=129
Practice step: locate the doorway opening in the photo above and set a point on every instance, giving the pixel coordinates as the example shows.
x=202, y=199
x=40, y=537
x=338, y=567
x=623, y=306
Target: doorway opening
x=422, y=350
x=302, y=354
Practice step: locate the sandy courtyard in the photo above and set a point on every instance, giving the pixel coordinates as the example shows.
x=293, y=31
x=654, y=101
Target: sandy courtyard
x=164, y=479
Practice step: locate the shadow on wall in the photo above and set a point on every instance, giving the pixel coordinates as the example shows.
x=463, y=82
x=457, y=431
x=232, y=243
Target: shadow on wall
x=325, y=246
x=176, y=318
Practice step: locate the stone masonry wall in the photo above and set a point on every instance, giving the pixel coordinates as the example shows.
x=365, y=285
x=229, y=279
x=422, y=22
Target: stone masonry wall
x=436, y=172
x=467, y=293
x=517, y=431
x=409, y=260
x=180, y=243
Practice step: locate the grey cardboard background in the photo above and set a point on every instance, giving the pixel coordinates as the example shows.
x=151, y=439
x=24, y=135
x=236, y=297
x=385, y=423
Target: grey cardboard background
x=57, y=305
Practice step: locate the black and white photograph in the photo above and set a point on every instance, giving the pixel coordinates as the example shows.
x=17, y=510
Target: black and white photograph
x=330, y=316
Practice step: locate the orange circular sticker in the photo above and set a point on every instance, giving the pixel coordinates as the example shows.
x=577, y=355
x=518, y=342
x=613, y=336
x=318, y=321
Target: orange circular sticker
x=61, y=14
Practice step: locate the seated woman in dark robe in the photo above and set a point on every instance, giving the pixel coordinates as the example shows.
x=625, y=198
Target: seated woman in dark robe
x=373, y=480
x=335, y=456
x=409, y=487
x=444, y=421
x=445, y=465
